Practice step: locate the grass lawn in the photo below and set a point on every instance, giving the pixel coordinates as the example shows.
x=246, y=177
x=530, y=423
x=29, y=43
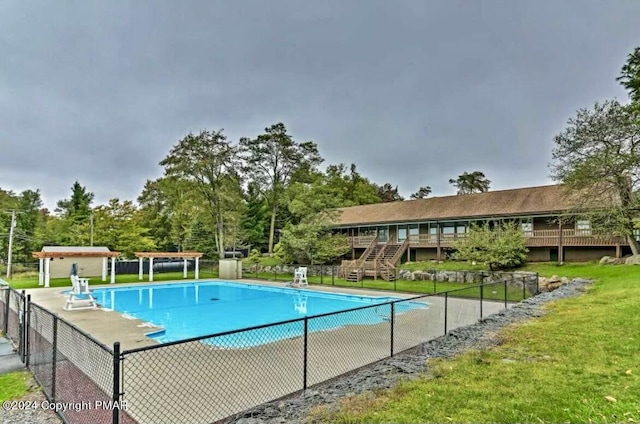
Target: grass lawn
x=30, y=281
x=579, y=363
x=14, y=385
x=514, y=293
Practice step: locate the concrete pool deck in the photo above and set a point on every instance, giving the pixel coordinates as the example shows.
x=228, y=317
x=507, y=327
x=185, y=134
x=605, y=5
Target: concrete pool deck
x=199, y=382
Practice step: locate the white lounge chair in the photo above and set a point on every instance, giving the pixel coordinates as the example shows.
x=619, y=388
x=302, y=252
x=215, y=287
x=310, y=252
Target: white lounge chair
x=80, y=296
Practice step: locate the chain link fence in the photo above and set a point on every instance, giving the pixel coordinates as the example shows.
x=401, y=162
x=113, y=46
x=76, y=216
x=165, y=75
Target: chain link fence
x=521, y=284
x=215, y=377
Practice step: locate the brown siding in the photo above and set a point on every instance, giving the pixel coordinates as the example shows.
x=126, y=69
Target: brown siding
x=584, y=254
x=539, y=254
x=425, y=254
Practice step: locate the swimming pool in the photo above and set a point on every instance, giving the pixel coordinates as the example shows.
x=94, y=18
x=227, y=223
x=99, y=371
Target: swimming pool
x=189, y=310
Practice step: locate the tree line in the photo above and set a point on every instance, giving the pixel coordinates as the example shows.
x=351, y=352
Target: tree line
x=265, y=193
x=268, y=193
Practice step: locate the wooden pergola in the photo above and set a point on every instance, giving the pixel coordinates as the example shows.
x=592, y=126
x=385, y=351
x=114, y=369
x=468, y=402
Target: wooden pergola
x=44, y=275
x=152, y=255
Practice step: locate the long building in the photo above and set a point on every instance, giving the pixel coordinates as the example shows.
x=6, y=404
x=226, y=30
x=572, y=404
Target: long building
x=426, y=229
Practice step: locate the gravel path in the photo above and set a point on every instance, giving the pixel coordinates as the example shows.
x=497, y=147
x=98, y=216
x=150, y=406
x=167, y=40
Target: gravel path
x=386, y=373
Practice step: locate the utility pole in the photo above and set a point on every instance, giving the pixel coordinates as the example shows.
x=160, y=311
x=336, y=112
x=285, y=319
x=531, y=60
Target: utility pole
x=91, y=223
x=11, y=231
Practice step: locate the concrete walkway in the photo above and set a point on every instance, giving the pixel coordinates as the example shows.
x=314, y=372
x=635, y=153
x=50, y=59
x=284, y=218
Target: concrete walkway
x=9, y=359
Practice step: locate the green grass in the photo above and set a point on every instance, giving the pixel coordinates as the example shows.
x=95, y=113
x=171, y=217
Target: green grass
x=579, y=363
x=31, y=282
x=15, y=385
x=514, y=293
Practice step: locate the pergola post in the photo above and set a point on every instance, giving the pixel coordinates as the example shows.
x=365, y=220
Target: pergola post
x=47, y=271
x=150, y=268
x=113, y=270
x=140, y=267
x=105, y=261
x=184, y=268
x=197, y=267
x=41, y=272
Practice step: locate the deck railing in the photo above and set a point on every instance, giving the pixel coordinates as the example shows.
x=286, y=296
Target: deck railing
x=536, y=238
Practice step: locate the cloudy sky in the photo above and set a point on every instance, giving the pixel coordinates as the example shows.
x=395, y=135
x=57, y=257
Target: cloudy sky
x=414, y=92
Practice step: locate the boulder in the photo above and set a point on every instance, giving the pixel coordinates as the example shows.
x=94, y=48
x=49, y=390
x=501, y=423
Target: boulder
x=543, y=284
x=606, y=260
x=633, y=260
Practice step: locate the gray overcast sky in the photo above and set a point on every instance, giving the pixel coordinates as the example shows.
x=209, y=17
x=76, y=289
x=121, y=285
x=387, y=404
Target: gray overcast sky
x=413, y=92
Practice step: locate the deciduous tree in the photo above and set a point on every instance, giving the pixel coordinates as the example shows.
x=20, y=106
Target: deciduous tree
x=597, y=158
x=500, y=247
x=210, y=162
x=273, y=160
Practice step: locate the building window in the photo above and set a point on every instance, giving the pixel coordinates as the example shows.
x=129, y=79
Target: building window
x=527, y=228
x=448, y=230
x=414, y=232
x=583, y=228
x=383, y=234
x=402, y=233
x=366, y=231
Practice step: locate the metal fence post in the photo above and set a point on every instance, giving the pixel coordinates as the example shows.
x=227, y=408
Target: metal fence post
x=537, y=283
x=21, y=308
x=5, y=325
x=446, y=302
x=481, y=297
x=505, y=293
x=26, y=332
x=54, y=357
x=306, y=353
x=116, y=383
x=393, y=312
x=333, y=275
x=321, y=272
x=524, y=289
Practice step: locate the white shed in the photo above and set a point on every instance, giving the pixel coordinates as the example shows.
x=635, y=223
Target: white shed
x=56, y=261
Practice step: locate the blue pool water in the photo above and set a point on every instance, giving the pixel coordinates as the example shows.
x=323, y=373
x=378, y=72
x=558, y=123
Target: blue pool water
x=197, y=309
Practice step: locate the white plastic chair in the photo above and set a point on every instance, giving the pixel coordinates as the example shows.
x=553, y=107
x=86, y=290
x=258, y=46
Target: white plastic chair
x=300, y=276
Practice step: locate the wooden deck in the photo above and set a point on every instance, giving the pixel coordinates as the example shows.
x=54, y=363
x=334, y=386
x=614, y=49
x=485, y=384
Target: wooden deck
x=536, y=238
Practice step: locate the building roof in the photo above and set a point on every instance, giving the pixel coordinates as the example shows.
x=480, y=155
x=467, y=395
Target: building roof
x=75, y=252
x=79, y=249
x=515, y=202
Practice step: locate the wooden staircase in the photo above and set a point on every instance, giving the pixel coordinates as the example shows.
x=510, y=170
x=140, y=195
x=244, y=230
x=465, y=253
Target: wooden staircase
x=378, y=260
x=389, y=257
x=354, y=271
